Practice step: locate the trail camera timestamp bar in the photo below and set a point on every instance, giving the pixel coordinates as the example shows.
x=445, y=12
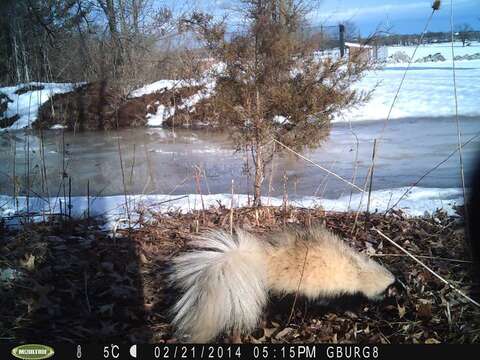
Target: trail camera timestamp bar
x=232, y=351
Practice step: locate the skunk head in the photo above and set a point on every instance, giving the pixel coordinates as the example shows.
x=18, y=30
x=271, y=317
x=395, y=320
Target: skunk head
x=373, y=279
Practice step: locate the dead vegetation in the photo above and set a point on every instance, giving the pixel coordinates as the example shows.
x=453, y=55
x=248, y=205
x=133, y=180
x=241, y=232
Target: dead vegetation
x=79, y=283
x=101, y=106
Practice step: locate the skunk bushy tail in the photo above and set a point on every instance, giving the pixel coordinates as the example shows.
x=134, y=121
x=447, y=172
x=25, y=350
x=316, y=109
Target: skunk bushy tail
x=223, y=283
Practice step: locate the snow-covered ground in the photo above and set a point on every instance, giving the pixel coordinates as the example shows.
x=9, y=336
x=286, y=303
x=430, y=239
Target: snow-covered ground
x=428, y=87
x=443, y=48
x=26, y=105
x=112, y=208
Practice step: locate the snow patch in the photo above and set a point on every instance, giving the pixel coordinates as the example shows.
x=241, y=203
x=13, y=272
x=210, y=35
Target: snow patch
x=281, y=120
x=26, y=105
x=417, y=202
x=164, y=112
x=8, y=275
x=160, y=86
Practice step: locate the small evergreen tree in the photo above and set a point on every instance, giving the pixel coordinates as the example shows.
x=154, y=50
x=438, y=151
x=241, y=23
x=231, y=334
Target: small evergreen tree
x=274, y=84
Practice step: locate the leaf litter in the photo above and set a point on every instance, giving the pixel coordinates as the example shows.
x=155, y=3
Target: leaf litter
x=75, y=283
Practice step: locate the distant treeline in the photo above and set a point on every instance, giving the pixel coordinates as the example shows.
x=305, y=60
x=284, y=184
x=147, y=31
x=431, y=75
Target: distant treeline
x=429, y=38
x=128, y=42
x=131, y=42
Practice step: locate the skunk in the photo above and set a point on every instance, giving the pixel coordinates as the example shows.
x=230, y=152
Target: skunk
x=226, y=280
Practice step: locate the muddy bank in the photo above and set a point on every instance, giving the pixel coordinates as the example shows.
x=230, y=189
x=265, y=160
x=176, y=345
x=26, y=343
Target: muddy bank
x=81, y=284
x=99, y=106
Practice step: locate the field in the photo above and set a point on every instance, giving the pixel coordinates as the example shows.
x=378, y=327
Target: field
x=428, y=87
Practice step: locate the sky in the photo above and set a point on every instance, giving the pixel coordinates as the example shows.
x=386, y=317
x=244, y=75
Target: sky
x=400, y=16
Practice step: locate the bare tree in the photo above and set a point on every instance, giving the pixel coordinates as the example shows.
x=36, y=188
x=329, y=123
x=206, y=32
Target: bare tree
x=274, y=86
x=135, y=28
x=124, y=41
x=352, y=33
x=464, y=32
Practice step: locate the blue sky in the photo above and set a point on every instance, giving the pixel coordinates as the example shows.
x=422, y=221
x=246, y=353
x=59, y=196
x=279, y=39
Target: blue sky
x=402, y=16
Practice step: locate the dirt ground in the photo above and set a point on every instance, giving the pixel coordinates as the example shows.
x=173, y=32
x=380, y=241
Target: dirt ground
x=78, y=283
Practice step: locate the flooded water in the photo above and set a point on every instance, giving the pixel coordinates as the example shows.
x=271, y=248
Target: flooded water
x=158, y=161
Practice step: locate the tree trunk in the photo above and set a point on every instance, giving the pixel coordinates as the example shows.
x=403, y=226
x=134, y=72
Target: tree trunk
x=110, y=12
x=136, y=5
x=26, y=70
x=259, y=176
x=17, y=62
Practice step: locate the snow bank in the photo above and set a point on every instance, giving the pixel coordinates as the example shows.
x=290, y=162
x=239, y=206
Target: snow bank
x=445, y=49
x=427, y=90
x=26, y=105
x=416, y=203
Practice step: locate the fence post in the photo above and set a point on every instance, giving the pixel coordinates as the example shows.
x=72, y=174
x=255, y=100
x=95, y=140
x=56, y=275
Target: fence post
x=341, y=29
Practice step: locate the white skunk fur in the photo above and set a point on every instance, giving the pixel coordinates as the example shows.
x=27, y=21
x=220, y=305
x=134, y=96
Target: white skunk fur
x=226, y=280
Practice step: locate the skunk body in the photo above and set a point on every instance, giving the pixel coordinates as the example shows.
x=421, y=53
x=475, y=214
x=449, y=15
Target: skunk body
x=227, y=279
